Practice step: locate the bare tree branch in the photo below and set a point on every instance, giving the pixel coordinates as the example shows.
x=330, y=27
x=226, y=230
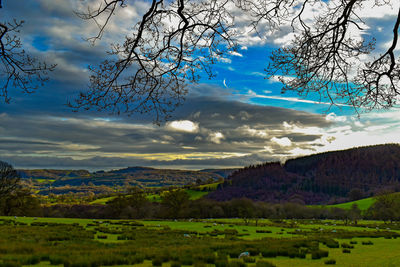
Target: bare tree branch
x=151, y=69
x=17, y=68
x=176, y=41
x=9, y=179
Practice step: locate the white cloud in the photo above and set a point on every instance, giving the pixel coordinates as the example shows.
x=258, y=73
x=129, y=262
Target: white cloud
x=284, y=141
x=257, y=73
x=333, y=117
x=291, y=99
x=225, y=60
x=252, y=132
x=216, y=137
x=284, y=40
x=234, y=53
x=183, y=126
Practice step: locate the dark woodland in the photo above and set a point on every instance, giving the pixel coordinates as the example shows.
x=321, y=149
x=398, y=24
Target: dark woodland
x=318, y=179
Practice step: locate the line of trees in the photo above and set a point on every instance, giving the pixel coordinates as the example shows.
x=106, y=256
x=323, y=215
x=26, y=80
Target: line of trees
x=176, y=203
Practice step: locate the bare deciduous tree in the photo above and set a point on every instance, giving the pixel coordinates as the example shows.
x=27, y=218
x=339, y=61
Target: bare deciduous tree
x=9, y=179
x=175, y=39
x=168, y=47
x=329, y=57
x=18, y=69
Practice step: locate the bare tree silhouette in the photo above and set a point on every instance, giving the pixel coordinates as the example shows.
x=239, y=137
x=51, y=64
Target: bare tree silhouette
x=175, y=39
x=18, y=69
x=9, y=179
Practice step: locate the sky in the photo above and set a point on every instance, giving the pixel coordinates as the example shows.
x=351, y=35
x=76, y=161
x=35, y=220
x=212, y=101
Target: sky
x=236, y=119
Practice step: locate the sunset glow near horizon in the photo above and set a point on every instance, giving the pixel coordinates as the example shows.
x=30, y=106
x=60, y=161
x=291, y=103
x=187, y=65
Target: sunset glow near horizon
x=236, y=119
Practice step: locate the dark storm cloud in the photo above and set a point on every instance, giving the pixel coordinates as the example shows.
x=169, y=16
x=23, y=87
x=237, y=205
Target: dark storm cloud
x=224, y=127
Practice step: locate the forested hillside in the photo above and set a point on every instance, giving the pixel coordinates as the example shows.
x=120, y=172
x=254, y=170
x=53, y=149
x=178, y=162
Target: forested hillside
x=318, y=179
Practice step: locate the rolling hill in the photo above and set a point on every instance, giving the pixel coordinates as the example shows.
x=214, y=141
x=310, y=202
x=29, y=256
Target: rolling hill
x=64, y=181
x=317, y=179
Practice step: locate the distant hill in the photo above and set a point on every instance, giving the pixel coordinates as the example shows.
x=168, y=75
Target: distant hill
x=317, y=179
x=53, y=174
x=64, y=181
x=223, y=172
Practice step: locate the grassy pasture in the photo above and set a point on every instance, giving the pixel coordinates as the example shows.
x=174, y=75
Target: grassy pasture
x=193, y=195
x=363, y=204
x=87, y=242
x=209, y=187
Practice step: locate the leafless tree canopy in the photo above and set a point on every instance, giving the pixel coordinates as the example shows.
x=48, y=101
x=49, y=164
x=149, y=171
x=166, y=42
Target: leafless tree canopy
x=167, y=48
x=18, y=70
x=177, y=38
x=326, y=58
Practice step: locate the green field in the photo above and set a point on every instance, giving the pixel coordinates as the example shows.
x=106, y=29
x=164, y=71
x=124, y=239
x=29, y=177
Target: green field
x=209, y=187
x=88, y=242
x=102, y=201
x=363, y=204
x=193, y=195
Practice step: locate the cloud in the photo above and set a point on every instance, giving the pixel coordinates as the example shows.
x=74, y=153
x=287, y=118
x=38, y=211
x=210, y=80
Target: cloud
x=216, y=137
x=234, y=53
x=284, y=141
x=206, y=130
x=183, y=126
x=292, y=99
x=333, y=117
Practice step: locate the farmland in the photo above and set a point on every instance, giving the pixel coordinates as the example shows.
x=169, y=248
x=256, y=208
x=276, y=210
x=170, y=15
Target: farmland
x=88, y=242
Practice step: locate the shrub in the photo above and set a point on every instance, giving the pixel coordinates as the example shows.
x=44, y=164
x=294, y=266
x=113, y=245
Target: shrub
x=137, y=259
x=345, y=250
x=156, y=262
x=253, y=251
x=10, y=264
x=199, y=264
x=249, y=259
x=263, y=231
x=176, y=264
x=330, y=262
x=234, y=254
x=268, y=253
x=32, y=260
x=209, y=258
x=236, y=263
x=221, y=263
x=55, y=260
x=318, y=254
x=102, y=237
x=186, y=260
x=345, y=245
x=230, y=231
x=353, y=242
x=263, y=263
x=331, y=243
x=369, y=242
